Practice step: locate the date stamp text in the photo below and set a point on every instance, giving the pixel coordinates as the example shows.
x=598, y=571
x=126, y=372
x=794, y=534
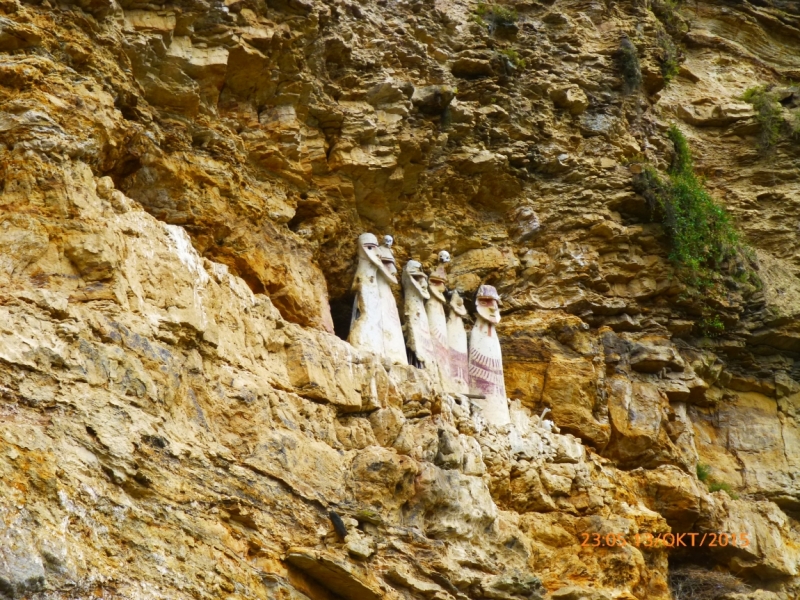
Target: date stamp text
x=665, y=540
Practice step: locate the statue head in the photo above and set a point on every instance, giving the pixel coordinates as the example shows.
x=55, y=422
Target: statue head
x=457, y=304
x=368, y=250
x=437, y=281
x=414, y=279
x=487, y=303
x=387, y=256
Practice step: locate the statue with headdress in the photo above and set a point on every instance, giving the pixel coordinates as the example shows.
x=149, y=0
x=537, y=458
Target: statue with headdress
x=418, y=334
x=393, y=343
x=437, y=320
x=367, y=323
x=486, y=381
x=457, y=342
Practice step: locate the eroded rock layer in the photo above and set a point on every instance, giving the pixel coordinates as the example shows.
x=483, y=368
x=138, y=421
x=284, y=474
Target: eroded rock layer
x=183, y=185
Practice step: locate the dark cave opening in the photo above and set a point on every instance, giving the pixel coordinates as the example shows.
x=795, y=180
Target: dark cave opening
x=694, y=575
x=342, y=313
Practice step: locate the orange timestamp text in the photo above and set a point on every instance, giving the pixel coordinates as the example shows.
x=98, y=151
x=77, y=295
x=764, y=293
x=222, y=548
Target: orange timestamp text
x=665, y=540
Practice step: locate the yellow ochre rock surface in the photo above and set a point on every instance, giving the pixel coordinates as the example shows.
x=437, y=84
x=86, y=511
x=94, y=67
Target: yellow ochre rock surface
x=182, y=185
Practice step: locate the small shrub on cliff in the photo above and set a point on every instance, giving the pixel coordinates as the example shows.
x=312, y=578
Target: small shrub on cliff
x=711, y=326
x=628, y=62
x=700, y=231
x=716, y=486
x=669, y=55
x=769, y=115
x=514, y=58
x=703, y=471
x=666, y=11
x=494, y=14
x=704, y=475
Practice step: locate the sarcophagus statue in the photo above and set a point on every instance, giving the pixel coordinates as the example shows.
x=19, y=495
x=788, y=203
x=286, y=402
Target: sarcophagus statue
x=393, y=343
x=457, y=342
x=367, y=323
x=437, y=320
x=418, y=333
x=486, y=359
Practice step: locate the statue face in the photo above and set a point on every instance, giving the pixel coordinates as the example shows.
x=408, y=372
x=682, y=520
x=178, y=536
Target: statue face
x=488, y=309
x=388, y=262
x=388, y=241
x=368, y=249
x=437, y=281
x=457, y=305
x=415, y=280
x=436, y=284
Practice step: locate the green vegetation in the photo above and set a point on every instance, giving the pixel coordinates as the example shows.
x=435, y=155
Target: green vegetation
x=711, y=326
x=775, y=123
x=700, y=231
x=669, y=55
x=666, y=11
x=628, y=61
x=668, y=35
x=495, y=14
x=769, y=115
x=703, y=471
x=514, y=58
x=704, y=475
x=716, y=486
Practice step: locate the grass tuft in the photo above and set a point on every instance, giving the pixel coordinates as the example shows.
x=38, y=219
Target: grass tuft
x=497, y=15
x=711, y=326
x=717, y=486
x=514, y=58
x=703, y=471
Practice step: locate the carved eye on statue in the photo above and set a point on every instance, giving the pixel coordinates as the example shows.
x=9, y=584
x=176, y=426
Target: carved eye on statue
x=488, y=302
x=370, y=246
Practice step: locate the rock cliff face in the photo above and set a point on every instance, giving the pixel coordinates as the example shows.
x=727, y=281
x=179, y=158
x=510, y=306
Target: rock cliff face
x=183, y=185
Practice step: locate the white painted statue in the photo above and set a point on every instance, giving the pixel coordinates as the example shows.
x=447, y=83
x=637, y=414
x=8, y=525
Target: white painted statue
x=457, y=341
x=366, y=326
x=393, y=343
x=418, y=334
x=486, y=359
x=437, y=321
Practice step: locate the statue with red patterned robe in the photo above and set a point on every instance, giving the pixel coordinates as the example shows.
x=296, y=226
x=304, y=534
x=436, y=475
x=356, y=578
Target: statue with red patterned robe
x=437, y=320
x=457, y=342
x=486, y=359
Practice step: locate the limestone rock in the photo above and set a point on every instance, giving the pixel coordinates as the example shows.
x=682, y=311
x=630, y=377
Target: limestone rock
x=336, y=576
x=182, y=188
x=571, y=98
x=432, y=99
x=15, y=36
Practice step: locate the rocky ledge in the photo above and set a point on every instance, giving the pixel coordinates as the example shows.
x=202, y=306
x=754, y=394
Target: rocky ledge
x=182, y=187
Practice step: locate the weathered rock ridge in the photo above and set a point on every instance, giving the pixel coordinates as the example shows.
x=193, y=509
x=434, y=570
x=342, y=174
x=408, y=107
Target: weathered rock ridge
x=183, y=185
